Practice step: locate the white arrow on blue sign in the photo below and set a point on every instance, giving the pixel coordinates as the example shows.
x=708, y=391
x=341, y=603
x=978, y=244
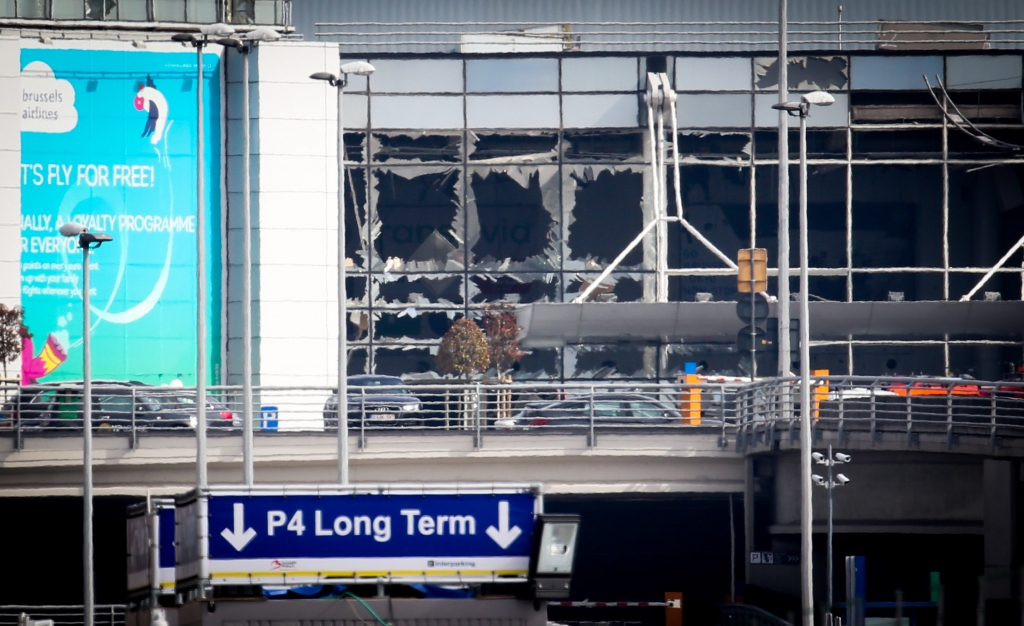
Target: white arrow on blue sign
x=271, y=538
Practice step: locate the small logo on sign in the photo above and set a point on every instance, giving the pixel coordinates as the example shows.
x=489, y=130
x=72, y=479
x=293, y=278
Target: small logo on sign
x=282, y=565
x=430, y=564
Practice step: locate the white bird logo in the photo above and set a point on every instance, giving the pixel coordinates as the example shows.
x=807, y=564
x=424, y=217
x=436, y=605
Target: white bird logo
x=149, y=99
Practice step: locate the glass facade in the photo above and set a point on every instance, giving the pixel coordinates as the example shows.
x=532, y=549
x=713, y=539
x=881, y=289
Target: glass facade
x=269, y=12
x=519, y=179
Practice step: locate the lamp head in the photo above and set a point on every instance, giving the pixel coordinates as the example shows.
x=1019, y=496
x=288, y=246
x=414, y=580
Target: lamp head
x=72, y=229
x=183, y=38
x=790, y=107
x=325, y=76
x=262, y=34
x=359, y=68
x=216, y=30
x=228, y=42
x=818, y=98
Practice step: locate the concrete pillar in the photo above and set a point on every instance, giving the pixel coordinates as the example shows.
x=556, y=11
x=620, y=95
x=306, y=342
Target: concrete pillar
x=1001, y=535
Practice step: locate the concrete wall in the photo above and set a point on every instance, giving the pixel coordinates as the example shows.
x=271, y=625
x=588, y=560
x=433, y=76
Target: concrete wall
x=10, y=171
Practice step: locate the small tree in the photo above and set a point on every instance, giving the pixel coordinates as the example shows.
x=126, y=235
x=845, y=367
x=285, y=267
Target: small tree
x=463, y=350
x=12, y=330
x=502, y=329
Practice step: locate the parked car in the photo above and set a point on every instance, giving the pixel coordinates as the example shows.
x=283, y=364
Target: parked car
x=384, y=400
x=615, y=409
x=116, y=405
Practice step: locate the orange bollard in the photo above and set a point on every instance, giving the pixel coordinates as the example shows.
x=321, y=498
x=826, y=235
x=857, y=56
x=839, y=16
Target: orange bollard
x=674, y=614
x=690, y=399
x=820, y=393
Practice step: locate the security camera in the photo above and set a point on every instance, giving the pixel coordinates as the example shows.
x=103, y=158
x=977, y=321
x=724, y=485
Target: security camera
x=841, y=479
x=73, y=229
x=842, y=458
x=818, y=457
x=818, y=480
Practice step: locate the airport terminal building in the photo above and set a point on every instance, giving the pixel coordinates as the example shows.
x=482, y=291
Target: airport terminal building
x=511, y=161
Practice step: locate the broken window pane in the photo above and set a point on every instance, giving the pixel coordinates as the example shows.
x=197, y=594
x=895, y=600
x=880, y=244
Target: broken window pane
x=898, y=361
x=962, y=146
x=713, y=110
x=821, y=144
x=516, y=288
x=601, y=111
x=711, y=144
x=709, y=74
x=512, y=111
x=599, y=74
x=596, y=362
x=416, y=76
x=402, y=361
x=616, y=287
x=888, y=72
x=355, y=147
x=591, y=146
x=835, y=114
x=983, y=72
x=709, y=357
x=805, y=73
x=417, y=220
x=417, y=289
x=506, y=147
x=986, y=217
x=357, y=361
x=416, y=147
x=915, y=287
x=605, y=216
x=898, y=144
x=897, y=216
x=514, y=217
x=511, y=75
x=356, y=239
x=417, y=112
x=411, y=323
x=538, y=364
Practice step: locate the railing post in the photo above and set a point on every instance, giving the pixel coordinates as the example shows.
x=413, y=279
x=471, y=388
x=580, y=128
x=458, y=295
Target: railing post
x=591, y=437
x=18, y=423
x=478, y=435
x=949, y=417
x=134, y=433
x=841, y=426
x=362, y=416
x=873, y=416
x=993, y=441
x=910, y=419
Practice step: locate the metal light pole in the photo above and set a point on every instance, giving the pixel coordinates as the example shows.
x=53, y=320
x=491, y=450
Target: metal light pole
x=783, y=200
x=832, y=460
x=199, y=43
x=359, y=68
x=802, y=109
x=86, y=240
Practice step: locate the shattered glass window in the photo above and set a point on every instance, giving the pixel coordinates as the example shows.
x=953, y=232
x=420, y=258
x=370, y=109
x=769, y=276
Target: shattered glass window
x=412, y=324
x=416, y=147
x=616, y=287
x=516, y=288
x=417, y=211
x=506, y=147
x=514, y=218
x=401, y=361
x=709, y=144
x=417, y=290
x=599, y=362
x=605, y=145
x=826, y=73
x=603, y=215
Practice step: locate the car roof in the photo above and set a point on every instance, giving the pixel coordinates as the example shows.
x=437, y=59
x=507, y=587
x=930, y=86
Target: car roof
x=368, y=378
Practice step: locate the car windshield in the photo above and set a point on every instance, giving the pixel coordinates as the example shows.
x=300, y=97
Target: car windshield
x=373, y=386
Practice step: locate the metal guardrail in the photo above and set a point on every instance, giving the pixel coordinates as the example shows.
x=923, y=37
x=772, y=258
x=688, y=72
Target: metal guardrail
x=747, y=413
x=63, y=615
x=134, y=411
x=870, y=406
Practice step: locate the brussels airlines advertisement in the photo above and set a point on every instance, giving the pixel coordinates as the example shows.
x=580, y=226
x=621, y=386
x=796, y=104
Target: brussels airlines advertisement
x=108, y=139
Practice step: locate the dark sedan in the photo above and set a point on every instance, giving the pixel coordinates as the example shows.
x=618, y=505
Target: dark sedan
x=381, y=400
x=115, y=406
x=613, y=409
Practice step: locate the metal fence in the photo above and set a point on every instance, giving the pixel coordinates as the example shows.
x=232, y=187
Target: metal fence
x=132, y=410
x=736, y=411
x=911, y=407
x=63, y=615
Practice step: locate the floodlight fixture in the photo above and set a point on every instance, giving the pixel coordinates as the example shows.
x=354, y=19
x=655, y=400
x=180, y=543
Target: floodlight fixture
x=228, y=42
x=553, y=554
x=262, y=34
x=216, y=30
x=791, y=107
x=818, y=98
x=183, y=38
x=359, y=68
x=72, y=229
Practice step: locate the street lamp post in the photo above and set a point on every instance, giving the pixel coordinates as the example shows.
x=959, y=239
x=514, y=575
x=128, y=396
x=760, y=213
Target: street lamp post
x=254, y=36
x=205, y=31
x=832, y=460
x=802, y=110
x=359, y=68
x=86, y=241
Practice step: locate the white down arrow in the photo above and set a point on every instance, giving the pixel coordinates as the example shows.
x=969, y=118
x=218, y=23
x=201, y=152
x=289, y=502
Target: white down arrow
x=503, y=535
x=241, y=535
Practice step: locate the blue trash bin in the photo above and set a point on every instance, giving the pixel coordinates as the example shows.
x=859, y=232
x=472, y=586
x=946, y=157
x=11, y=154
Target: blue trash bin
x=268, y=419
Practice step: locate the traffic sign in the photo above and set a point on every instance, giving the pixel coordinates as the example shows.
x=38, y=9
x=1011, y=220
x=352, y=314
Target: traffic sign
x=313, y=536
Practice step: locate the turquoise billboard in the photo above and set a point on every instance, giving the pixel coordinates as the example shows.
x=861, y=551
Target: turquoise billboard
x=108, y=139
